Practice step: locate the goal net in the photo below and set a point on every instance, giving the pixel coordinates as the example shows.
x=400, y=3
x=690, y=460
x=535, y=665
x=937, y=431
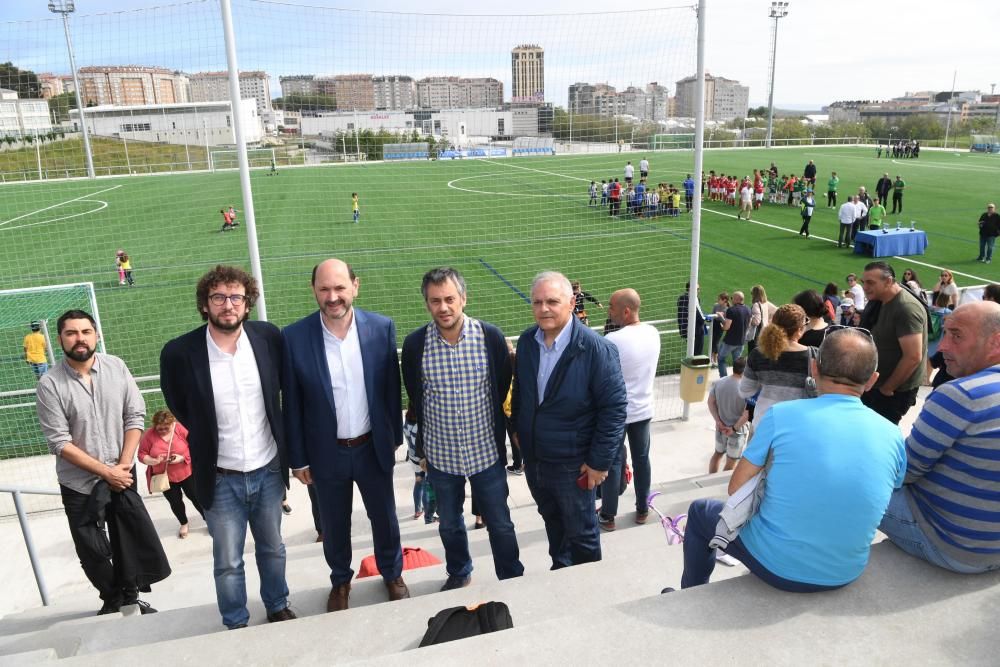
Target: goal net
x=334, y=98
x=257, y=158
x=25, y=312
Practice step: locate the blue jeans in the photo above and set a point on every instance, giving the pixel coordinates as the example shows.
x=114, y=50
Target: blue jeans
x=638, y=442
x=699, y=560
x=725, y=351
x=489, y=489
x=568, y=512
x=39, y=369
x=253, y=498
x=986, y=244
x=418, y=491
x=900, y=526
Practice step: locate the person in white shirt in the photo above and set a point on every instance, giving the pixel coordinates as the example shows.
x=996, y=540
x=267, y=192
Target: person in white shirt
x=746, y=201
x=857, y=292
x=860, y=215
x=846, y=216
x=222, y=381
x=344, y=420
x=638, y=346
x=629, y=172
x=643, y=168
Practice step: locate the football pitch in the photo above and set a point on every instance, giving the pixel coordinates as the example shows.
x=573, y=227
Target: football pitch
x=498, y=221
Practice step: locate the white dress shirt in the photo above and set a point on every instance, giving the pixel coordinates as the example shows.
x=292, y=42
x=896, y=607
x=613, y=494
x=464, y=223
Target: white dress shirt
x=638, y=351
x=245, y=439
x=347, y=377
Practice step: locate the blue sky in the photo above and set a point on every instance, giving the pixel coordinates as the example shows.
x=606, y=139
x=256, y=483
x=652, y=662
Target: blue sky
x=846, y=49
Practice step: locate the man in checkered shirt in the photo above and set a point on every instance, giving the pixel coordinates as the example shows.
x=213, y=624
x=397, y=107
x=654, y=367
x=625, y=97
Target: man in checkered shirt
x=457, y=372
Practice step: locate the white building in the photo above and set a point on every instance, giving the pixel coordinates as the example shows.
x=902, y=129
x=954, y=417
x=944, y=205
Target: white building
x=214, y=87
x=725, y=99
x=396, y=93
x=455, y=123
x=22, y=117
x=196, y=124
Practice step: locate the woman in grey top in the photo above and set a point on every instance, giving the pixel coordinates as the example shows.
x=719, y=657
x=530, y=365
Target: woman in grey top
x=779, y=366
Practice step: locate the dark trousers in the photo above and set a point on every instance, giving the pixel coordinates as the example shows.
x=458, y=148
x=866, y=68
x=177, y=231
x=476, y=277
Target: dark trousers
x=699, y=339
x=176, y=501
x=638, y=442
x=568, y=513
x=688, y=200
x=844, y=235
x=805, y=226
x=891, y=407
x=97, y=557
x=516, y=458
x=699, y=559
x=335, y=491
x=897, y=200
x=831, y=198
x=314, y=502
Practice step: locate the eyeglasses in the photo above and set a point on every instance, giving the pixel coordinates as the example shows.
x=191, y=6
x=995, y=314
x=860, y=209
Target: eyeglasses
x=839, y=327
x=235, y=299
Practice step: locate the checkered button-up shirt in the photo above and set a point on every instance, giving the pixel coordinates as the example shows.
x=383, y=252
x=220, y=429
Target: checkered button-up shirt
x=457, y=412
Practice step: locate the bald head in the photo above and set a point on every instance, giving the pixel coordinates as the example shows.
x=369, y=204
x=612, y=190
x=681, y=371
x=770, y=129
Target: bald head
x=335, y=286
x=971, y=340
x=846, y=363
x=623, y=307
x=333, y=264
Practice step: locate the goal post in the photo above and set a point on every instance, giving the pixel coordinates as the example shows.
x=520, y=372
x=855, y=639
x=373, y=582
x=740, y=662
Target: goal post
x=226, y=159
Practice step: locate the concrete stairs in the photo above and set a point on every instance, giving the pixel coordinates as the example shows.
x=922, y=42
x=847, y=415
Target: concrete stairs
x=637, y=563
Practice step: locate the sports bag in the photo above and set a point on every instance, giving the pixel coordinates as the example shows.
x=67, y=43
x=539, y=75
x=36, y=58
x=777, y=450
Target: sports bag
x=460, y=622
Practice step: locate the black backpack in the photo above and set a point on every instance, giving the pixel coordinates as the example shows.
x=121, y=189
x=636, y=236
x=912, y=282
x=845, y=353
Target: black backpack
x=461, y=622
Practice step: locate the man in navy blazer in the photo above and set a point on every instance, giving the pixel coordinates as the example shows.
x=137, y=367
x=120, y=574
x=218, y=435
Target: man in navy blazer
x=569, y=408
x=343, y=420
x=222, y=381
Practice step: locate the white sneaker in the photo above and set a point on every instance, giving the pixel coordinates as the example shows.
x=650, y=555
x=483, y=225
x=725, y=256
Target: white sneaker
x=725, y=559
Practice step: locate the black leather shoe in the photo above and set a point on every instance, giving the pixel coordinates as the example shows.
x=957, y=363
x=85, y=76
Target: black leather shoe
x=454, y=582
x=110, y=607
x=285, y=614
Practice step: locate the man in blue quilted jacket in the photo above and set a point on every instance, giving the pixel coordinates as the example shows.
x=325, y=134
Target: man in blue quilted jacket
x=568, y=408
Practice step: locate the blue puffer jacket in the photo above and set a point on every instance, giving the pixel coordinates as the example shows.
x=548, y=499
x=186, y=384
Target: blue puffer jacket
x=582, y=417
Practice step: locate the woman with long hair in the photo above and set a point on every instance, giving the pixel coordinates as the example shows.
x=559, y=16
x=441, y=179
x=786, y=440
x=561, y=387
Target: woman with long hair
x=946, y=285
x=779, y=366
x=164, y=449
x=719, y=311
x=761, y=311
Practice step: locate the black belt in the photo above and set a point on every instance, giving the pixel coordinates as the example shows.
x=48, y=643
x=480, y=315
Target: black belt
x=227, y=471
x=355, y=442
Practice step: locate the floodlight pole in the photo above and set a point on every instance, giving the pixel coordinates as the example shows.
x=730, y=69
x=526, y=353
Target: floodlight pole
x=66, y=7
x=951, y=99
x=235, y=108
x=699, y=146
x=779, y=10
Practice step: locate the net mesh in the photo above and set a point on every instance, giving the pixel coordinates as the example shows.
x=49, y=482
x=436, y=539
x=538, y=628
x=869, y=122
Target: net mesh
x=336, y=96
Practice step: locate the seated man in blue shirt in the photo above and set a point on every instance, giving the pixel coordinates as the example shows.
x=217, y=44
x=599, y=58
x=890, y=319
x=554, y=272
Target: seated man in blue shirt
x=834, y=466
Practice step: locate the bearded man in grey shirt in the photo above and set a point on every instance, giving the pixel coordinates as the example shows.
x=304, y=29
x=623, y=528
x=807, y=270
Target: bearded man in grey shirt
x=92, y=415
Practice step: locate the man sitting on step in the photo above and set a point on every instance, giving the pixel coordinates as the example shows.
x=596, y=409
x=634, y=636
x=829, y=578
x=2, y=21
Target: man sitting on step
x=831, y=467
x=946, y=513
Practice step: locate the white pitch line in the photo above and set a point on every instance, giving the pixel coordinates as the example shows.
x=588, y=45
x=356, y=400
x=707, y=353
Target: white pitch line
x=42, y=210
x=538, y=171
x=823, y=238
x=103, y=205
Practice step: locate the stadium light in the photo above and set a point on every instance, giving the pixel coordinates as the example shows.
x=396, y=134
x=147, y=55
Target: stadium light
x=779, y=10
x=67, y=7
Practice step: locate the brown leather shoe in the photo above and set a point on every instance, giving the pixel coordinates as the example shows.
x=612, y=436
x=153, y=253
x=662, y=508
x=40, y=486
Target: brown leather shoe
x=397, y=589
x=285, y=614
x=339, y=597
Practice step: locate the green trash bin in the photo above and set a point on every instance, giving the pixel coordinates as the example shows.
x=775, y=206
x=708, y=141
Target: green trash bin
x=694, y=378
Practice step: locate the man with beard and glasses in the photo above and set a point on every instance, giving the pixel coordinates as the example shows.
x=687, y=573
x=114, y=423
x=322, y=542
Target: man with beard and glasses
x=92, y=415
x=222, y=381
x=344, y=418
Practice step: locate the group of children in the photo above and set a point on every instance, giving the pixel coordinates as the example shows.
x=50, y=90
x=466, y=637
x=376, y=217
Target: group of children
x=782, y=189
x=641, y=200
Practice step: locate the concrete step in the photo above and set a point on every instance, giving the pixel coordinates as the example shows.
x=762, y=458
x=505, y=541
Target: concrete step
x=901, y=611
x=187, y=606
x=383, y=629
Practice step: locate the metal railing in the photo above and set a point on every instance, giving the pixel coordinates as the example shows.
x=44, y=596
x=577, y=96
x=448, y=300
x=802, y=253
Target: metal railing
x=22, y=518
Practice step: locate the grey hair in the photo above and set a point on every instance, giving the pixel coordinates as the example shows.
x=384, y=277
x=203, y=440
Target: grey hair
x=847, y=355
x=439, y=276
x=553, y=277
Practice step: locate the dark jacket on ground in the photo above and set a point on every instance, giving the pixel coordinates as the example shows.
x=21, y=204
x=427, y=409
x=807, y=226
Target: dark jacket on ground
x=582, y=417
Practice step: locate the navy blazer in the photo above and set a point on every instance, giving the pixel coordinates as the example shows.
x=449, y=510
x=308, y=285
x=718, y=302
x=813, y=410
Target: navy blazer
x=310, y=413
x=582, y=418
x=186, y=382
